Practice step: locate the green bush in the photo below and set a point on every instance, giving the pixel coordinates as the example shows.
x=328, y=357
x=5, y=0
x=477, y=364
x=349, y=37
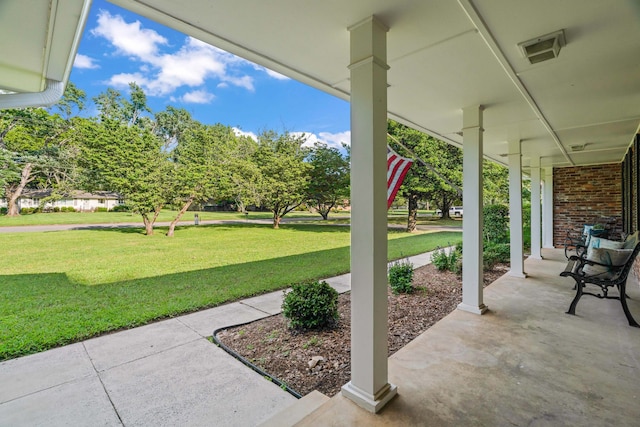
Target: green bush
x=3, y=211
x=400, y=277
x=311, y=305
x=495, y=253
x=120, y=208
x=56, y=209
x=451, y=261
x=100, y=209
x=496, y=224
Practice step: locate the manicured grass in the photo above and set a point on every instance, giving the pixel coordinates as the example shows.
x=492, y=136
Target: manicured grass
x=122, y=217
x=65, y=286
x=396, y=219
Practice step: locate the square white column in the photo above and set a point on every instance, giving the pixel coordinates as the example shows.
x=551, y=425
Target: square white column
x=547, y=209
x=472, y=274
x=515, y=210
x=536, y=225
x=368, y=386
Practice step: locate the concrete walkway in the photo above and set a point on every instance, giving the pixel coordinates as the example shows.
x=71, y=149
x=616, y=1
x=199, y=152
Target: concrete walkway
x=162, y=374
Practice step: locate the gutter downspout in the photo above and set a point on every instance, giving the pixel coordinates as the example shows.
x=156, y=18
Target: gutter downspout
x=54, y=89
x=51, y=94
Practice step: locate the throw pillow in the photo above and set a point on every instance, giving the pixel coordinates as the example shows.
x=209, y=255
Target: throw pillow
x=599, y=242
x=609, y=257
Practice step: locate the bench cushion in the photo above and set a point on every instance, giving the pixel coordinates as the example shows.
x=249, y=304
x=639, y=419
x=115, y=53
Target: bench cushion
x=609, y=257
x=599, y=242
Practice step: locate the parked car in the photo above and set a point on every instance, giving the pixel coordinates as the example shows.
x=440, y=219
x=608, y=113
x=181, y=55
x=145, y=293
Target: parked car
x=455, y=211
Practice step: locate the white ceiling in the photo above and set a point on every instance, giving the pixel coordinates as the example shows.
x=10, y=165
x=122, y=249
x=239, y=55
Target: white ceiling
x=444, y=56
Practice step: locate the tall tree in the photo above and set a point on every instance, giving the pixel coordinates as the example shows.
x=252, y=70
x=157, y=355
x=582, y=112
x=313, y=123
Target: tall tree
x=35, y=146
x=245, y=176
x=128, y=160
x=284, y=174
x=201, y=166
x=438, y=181
x=329, y=178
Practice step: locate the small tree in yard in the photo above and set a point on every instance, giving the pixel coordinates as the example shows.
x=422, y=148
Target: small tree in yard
x=284, y=174
x=329, y=178
x=200, y=167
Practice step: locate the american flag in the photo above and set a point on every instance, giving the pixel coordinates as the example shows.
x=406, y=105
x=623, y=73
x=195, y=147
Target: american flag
x=397, y=168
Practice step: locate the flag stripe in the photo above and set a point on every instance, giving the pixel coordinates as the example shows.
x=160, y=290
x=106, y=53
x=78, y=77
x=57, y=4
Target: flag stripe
x=397, y=168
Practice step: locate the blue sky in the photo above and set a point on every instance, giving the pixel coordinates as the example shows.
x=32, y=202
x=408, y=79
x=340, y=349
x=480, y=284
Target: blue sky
x=119, y=47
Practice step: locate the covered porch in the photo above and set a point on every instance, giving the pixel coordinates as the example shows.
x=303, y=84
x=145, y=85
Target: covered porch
x=524, y=362
x=462, y=72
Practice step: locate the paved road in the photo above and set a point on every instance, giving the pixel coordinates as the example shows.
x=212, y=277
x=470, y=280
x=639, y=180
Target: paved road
x=63, y=227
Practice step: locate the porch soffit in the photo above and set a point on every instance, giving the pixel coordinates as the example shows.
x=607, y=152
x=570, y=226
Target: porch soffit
x=444, y=56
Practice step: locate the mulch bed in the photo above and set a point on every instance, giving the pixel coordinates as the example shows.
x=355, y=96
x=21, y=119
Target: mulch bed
x=289, y=355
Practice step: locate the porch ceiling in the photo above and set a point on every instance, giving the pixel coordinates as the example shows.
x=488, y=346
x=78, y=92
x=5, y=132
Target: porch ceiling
x=448, y=55
x=444, y=56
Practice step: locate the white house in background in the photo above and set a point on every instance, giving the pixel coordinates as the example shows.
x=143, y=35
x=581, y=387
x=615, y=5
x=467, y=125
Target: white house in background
x=81, y=201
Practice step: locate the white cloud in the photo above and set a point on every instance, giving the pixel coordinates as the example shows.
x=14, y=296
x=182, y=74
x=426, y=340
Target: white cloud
x=84, y=61
x=198, y=97
x=122, y=80
x=240, y=132
x=334, y=140
x=191, y=65
x=130, y=39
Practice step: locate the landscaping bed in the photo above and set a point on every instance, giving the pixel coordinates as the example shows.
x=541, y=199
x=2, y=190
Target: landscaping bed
x=289, y=355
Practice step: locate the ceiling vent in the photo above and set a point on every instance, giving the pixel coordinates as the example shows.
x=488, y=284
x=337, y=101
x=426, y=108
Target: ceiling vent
x=544, y=47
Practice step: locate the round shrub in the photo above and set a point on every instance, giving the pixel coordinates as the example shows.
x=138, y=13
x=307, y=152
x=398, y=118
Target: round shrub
x=401, y=276
x=311, y=305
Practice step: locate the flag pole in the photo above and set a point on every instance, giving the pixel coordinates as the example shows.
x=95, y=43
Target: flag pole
x=427, y=165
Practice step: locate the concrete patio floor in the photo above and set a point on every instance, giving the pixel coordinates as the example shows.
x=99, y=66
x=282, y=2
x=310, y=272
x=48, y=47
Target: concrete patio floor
x=524, y=363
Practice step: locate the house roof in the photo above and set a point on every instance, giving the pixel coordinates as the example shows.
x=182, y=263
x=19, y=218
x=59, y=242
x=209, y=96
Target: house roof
x=582, y=107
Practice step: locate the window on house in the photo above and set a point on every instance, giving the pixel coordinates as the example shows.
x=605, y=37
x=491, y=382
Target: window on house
x=101, y=201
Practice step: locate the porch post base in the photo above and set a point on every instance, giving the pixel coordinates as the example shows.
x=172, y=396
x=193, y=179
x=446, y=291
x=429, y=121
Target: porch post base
x=473, y=309
x=535, y=256
x=368, y=401
x=518, y=274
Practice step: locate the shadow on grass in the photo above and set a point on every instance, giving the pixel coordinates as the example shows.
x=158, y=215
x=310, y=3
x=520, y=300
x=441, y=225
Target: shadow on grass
x=319, y=228
x=42, y=311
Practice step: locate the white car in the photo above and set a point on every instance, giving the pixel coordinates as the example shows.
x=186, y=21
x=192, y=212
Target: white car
x=455, y=211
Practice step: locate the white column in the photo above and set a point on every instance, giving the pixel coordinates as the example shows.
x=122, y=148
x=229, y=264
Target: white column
x=515, y=209
x=472, y=274
x=535, y=209
x=547, y=209
x=368, y=386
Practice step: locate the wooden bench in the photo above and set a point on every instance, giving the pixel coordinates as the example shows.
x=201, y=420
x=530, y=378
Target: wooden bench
x=616, y=276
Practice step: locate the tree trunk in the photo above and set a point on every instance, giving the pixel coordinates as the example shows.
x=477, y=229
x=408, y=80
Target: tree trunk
x=172, y=226
x=276, y=220
x=148, y=225
x=12, y=196
x=413, y=213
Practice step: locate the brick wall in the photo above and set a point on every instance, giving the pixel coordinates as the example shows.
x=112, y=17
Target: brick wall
x=583, y=195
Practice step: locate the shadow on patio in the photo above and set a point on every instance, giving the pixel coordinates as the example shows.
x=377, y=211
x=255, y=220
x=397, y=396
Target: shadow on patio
x=525, y=362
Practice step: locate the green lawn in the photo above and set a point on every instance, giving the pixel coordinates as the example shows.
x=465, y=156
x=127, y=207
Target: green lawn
x=65, y=286
x=120, y=217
